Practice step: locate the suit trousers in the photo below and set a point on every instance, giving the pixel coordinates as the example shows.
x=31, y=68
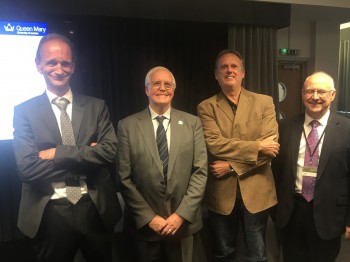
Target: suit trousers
x=65, y=228
x=187, y=249
x=300, y=241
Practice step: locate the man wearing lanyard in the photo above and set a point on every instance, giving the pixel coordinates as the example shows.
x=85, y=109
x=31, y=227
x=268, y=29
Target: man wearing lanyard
x=312, y=175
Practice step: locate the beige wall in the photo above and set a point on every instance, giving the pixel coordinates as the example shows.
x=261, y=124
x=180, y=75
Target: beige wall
x=317, y=36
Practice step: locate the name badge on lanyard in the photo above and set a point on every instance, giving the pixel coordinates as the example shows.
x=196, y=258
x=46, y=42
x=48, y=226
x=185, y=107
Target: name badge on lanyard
x=309, y=171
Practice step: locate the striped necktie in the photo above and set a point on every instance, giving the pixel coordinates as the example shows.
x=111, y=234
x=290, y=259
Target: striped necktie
x=162, y=145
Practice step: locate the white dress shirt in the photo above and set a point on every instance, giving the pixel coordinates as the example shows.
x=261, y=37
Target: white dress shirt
x=307, y=127
x=59, y=188
x=166, y=123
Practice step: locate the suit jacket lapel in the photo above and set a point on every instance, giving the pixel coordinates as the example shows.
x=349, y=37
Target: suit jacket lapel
x=146, y=130
x=330, y=137
x=48, y=116
x=296, y=132
x=77, y=115
x=244, y=102
x=176, y=125
x=224, y=106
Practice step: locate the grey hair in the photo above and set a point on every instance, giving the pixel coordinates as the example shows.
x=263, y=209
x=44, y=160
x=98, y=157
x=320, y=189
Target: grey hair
x=154, y=69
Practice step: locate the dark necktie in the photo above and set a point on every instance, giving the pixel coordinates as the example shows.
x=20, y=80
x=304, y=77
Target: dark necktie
x=311, y=160
x=162, y=145
x=73, y=191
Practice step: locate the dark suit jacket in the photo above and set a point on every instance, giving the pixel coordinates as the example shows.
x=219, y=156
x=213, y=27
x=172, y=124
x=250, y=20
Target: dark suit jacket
x=36, y=129
x=332, y=189
x=141, y=175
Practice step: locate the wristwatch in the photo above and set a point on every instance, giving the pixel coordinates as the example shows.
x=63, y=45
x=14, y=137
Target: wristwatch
x=231, y=169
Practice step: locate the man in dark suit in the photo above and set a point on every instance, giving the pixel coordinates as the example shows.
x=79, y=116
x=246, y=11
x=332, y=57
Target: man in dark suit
x=313, y=177
x=50, y=167
x=162, y=196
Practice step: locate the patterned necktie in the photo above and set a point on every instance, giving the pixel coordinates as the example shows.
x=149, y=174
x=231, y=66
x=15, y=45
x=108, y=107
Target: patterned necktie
x=73, y=190
x=162, y=146
x=311, y=159
x=66, y=124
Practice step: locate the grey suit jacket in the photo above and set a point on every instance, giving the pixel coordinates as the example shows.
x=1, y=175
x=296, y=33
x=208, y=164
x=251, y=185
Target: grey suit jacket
x=36, y=129
x=140, y=172
x=331, y=208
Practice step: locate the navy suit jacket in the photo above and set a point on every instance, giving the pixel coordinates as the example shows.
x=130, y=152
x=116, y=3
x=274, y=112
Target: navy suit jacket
x=332, y=188
x=36, y=129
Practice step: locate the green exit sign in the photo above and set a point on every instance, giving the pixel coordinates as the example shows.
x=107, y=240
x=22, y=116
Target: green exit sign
x=289, y=52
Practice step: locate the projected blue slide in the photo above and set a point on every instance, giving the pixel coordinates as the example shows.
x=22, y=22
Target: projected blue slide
x=19, y=79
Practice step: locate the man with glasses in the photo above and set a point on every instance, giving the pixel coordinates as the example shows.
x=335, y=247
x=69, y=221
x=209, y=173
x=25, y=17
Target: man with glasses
x=163, y=172
x=312, y=175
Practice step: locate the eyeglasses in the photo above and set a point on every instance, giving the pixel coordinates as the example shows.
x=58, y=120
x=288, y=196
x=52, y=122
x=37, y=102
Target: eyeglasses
x=320, y=93
x=156, y=85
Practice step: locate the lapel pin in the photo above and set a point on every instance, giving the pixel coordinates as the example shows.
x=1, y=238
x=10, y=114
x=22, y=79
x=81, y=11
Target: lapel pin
x=180, y=122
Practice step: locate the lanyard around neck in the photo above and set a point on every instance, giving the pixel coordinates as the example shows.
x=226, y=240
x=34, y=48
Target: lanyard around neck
x=318, y=142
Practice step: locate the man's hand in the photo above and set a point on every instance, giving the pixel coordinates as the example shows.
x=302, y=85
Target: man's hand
x=220, y=168
x=269, y=147
x=93, y=144
x=347, y=233
x=174, y=222
x=48, y=154
x=158, y=224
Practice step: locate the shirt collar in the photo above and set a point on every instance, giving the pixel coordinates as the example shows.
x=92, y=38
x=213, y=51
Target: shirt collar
x=68, y=95
x=323, y=120
x=232, y=104
x=154, y=114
